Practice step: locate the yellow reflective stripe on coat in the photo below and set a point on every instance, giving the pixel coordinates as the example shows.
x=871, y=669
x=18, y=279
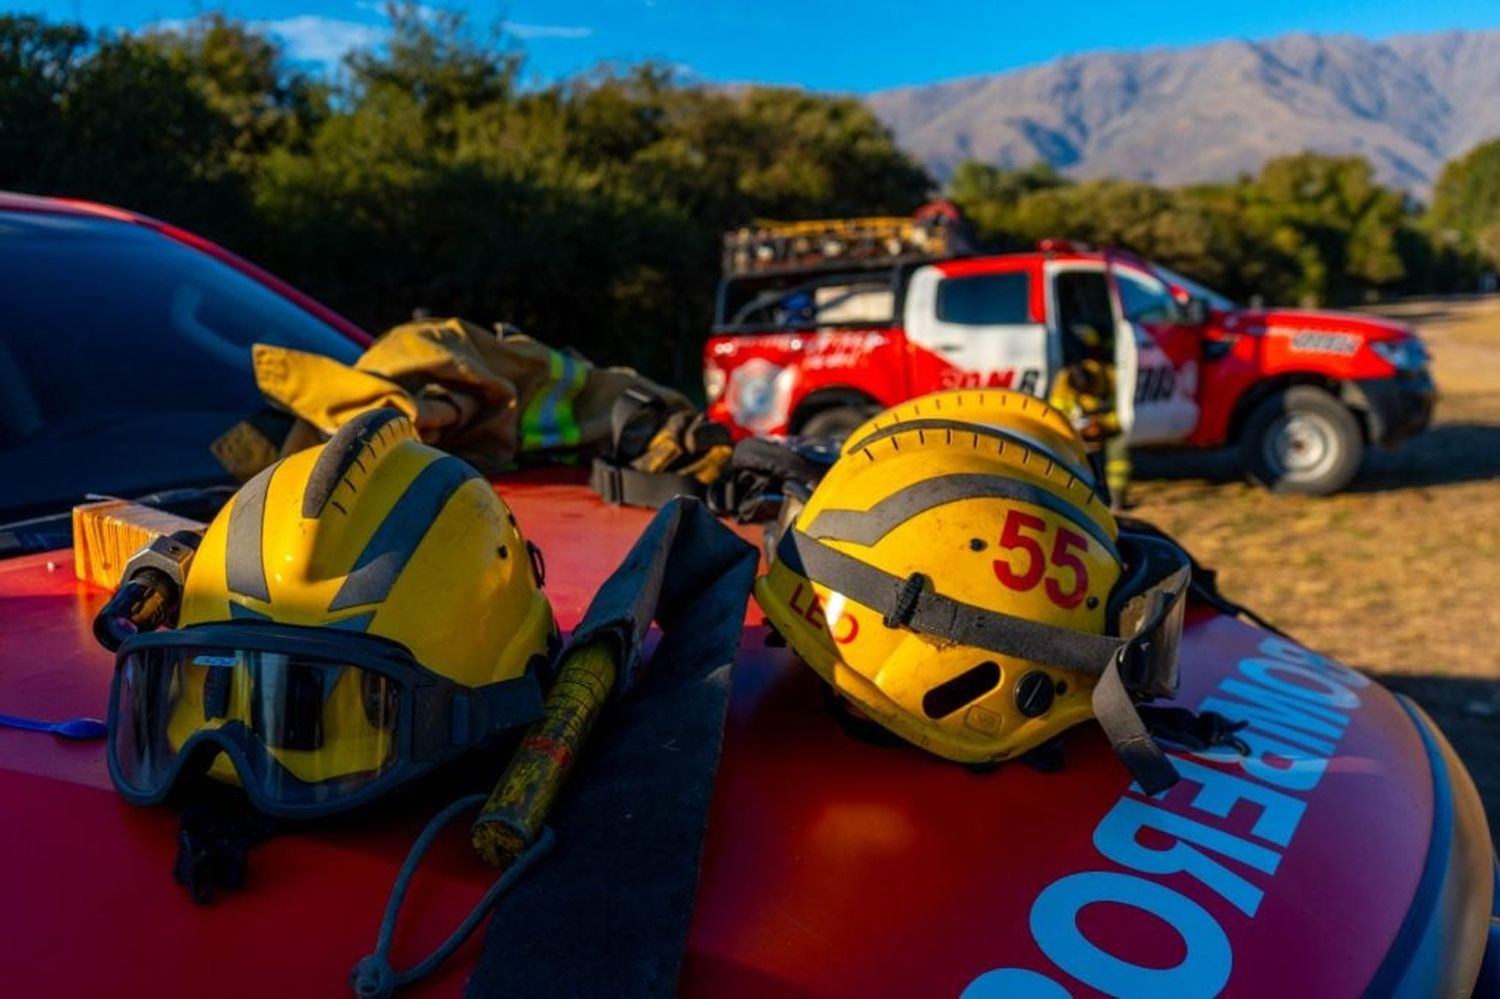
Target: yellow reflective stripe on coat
x=548, y=420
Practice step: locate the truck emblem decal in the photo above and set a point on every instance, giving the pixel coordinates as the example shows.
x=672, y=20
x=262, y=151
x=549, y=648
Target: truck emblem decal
x=1320, y=342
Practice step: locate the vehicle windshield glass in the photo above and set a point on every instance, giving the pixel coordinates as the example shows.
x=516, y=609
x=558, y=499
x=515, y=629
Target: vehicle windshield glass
x=1187, y=284
x=123, y=355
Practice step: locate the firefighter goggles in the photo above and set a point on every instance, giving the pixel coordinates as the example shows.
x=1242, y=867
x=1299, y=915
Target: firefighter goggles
x=312, y=720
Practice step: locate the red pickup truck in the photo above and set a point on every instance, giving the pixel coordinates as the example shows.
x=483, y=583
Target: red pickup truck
x=812, y=342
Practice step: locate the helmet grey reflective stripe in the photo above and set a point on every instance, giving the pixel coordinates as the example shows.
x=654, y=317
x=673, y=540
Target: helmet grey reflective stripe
x=379, y=565
x=866, y=527
x=244, y=571
x=341, y=454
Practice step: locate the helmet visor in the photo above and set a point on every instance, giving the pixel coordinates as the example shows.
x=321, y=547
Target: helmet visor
x=297, y=729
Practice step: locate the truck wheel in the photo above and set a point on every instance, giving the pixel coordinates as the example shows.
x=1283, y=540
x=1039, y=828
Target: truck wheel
x=837, y=422
x=1302, y=440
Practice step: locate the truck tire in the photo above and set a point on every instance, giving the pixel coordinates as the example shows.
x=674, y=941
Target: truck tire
x=1302, y=440
x=837, y=422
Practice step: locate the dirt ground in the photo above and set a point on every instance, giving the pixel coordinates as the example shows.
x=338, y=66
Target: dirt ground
x=1400, y=575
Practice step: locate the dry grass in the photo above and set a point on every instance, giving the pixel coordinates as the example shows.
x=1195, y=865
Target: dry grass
x=1402, y=573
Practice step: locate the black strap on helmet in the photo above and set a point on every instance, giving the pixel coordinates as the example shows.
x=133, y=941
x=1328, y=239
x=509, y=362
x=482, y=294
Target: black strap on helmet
x=912, y=603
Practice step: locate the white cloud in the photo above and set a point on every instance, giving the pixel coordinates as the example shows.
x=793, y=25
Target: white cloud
x=379, y=7
x=529, y=31
x=523, y=31
x=307, y=37
x=326, y=40
x=168, y=24
x=314, y=38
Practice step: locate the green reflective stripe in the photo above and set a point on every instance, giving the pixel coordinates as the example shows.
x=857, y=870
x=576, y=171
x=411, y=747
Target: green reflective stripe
x=548, y=420
x=531, y=432
x=577, y=375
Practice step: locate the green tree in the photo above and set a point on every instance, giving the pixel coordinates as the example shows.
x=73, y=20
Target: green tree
x=989, y=196
x=37, y=61
x=1466, y=199
x=1309, y=228
x=242, y=77
x=589, y=211
x=146, y=137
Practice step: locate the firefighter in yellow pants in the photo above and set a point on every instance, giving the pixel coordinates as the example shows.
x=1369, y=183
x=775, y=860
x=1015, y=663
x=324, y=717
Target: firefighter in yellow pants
x=1086, y=393
x=1117, y=468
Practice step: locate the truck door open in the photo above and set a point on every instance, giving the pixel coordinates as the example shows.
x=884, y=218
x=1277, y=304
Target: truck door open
x=1127, y=349
x=1157, y=399
x=1092, y=318
x=1086, y=322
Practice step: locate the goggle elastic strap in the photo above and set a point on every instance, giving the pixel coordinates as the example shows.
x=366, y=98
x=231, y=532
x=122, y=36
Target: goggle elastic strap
x=472, y=714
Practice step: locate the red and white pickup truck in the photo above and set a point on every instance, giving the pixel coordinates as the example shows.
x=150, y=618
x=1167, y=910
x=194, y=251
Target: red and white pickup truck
x=814, y=343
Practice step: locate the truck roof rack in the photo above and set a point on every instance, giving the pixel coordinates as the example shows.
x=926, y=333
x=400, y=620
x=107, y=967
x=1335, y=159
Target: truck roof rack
x=1052, y=245
x=935, y=231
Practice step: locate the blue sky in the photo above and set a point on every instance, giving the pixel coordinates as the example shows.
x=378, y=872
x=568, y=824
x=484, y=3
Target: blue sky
x=826, y=44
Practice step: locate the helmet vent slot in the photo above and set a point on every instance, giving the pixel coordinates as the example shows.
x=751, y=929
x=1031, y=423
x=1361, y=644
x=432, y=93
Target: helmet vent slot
x=970, y=685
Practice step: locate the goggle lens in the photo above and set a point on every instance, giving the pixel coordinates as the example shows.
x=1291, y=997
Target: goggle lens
x=304, y=728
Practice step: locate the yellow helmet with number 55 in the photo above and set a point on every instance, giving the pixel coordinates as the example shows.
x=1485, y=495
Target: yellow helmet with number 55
x=957, y=578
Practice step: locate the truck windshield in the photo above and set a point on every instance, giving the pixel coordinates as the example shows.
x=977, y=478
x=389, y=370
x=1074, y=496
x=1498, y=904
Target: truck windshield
x=1187, y=284
x=123, y=355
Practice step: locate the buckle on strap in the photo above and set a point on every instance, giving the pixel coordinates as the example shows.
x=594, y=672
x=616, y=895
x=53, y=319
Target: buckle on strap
x=904, y=604
x=605, y=479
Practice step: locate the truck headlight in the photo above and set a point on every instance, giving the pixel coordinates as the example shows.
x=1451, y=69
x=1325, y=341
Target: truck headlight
x=1406, y=354
x=713, y=381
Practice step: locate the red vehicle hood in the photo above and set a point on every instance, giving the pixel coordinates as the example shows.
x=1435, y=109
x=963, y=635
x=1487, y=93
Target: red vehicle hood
x=1368, y=327
x=832, y=866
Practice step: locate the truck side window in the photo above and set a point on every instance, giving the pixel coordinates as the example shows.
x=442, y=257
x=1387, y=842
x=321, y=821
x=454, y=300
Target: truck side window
x=985, y=300
x=1083, y=301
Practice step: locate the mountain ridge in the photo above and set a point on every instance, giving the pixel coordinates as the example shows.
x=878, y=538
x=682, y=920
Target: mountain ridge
x=1177, y=115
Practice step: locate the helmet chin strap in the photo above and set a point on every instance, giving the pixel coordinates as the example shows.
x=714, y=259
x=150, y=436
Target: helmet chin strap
x=215, y=832
x=1132, y=742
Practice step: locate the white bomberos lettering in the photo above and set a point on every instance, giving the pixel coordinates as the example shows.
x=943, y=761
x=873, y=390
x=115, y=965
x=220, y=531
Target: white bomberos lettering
x=1054, y=925
x=1297, y=704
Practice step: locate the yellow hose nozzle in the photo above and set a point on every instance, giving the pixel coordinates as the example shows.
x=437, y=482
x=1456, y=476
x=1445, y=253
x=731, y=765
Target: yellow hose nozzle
x=517, y=809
